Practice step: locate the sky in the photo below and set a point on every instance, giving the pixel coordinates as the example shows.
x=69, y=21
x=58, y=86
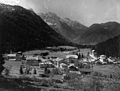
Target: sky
x=86, y=12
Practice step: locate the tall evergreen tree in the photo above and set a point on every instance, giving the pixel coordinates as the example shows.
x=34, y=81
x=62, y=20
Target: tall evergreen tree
x=1, y=63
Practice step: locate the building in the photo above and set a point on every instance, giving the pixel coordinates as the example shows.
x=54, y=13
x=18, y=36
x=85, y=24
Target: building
x=103, y=59
x=72, y=56
x=31, y=57
x=13, y=56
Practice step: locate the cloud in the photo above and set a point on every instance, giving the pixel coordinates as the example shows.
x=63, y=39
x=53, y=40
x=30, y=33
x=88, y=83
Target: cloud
x=12, y=2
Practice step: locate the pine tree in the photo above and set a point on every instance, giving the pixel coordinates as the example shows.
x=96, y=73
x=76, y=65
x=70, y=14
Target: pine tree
x=21, y=70
x=1, y=63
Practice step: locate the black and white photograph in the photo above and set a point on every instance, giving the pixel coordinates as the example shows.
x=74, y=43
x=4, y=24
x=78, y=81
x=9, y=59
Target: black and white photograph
x=59, y=45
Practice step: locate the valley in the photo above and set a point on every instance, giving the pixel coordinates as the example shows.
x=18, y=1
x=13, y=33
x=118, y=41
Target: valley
x=44, y=52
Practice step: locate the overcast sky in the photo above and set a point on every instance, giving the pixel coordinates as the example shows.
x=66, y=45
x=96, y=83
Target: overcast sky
x=86, y=12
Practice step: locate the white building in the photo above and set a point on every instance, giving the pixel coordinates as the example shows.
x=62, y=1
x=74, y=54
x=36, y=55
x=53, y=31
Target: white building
x=102, y=59
x=11, y=57
x=31, y=57
x=72, y=56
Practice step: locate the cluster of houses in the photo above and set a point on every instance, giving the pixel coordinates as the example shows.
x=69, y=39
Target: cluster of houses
x=101, y=59
x=38, y=65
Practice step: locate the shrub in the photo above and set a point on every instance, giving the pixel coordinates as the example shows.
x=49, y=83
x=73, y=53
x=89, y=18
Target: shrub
x=7, y=72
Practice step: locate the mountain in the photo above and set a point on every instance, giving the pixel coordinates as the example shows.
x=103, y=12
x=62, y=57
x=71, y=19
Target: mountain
x=80, y=34
x=109, y=47
x=99, y=32
x=22, y=29
x=64, y=26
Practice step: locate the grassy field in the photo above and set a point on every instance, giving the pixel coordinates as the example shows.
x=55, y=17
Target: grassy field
x=112, y=71
x=60, y=54
x=51, y=54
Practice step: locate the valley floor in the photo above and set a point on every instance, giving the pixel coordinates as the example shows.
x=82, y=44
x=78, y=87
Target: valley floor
x=96, y=78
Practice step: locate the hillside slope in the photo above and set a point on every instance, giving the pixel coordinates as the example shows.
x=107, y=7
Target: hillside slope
x=99, y=32
x=110, y=47
x=22, y=29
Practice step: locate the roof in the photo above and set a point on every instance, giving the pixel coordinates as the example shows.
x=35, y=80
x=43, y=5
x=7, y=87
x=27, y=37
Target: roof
x=73, y=56
x=71, y=65
x=73, y=68
x=32, y=57
x=63, y=64
x=11, y=55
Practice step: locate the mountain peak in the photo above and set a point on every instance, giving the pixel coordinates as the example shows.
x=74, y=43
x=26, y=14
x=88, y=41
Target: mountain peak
x=107, y=23
x=6, y=7
x=50, y=15
x=68, y=28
